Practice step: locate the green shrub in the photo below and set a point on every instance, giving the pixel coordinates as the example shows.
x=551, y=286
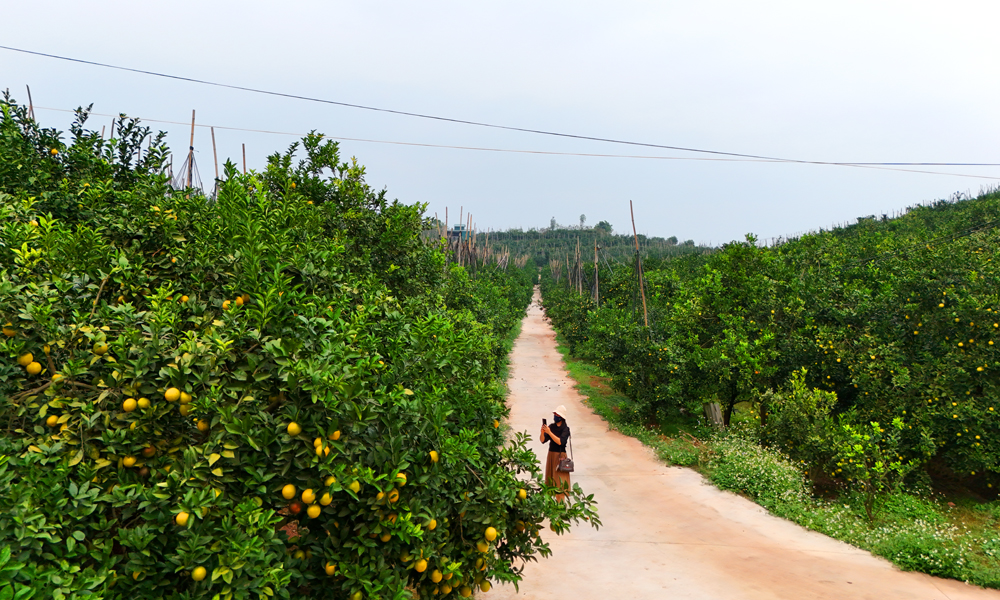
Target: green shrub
x=738, y=463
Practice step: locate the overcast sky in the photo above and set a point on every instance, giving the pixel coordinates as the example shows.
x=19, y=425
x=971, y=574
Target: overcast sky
x=843, y=81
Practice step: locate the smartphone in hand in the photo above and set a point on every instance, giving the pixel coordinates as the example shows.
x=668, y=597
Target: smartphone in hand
x=543, y=422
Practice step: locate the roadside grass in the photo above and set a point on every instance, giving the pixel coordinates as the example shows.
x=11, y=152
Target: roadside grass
x=939, y=534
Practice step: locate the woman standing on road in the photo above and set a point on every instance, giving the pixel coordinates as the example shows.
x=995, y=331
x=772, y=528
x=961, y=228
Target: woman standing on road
x=556, y=436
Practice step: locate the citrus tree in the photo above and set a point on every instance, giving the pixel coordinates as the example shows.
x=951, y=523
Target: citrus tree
x=269, y=394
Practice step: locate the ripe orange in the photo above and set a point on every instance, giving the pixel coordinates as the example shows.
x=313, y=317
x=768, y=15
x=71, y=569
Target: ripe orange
x=128, y=461
x=172, y=394
x=294, y=429
x=203, y=425
x=308, y=496
x=466, y=591
x=436, y=576
x=8, y=330
x=326, y=499
x=485, y=586
x=288, y=492
x=355, y=486
x=330, y=568
x=401, y=478
x=335, y=435
x=491, y=534
x=432, y=525
x=100, y=348
x=182, y=518
x=199, y=573
x=52, y=421
x=184, y=298
x=129, y=405
x=434, y=456
x=394, y=496
x=184, y=409
x=522, y=494
x=25, y=359
x=385, y=537
x=421, y=565
x=185, y=398
x=225, y=305
x=33, y=368
x=330, y=481
x=313, y=511
x=143, y=403
x=445, y=588
x=482, y=546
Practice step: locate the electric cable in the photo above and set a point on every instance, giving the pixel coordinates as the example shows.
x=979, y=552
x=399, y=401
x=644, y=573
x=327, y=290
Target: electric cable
x=484, y=124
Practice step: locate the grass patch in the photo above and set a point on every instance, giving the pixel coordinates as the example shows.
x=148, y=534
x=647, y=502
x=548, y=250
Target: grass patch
x=943, y=535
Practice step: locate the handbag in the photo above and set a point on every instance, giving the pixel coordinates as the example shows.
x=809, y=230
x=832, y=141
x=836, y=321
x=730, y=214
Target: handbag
x=566, y=464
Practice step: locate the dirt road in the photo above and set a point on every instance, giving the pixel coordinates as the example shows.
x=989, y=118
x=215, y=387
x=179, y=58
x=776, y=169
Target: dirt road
x=667, y=533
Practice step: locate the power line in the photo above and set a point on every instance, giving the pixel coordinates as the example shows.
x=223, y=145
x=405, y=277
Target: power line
x=489, y=125
x=519, y=151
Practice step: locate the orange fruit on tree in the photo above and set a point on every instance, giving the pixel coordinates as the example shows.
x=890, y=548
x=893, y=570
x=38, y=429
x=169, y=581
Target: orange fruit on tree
x=313, y=511
x=385, y=537
x=394, y=496
x=294, y=429
x=52, y=421
x=421, y=565
x=143, y=403
x=401, y=479
x=491, y=534
x=330, y=481
x=522, y=494
x=432, y=525
x=434, y=456
x=185, y=398
x=172, y=394
x=335, y=435
x=482, y=546
x=465, y=592
x=326, y=499
x=34, y=368
x=8, y=330
x=445, y=588
x=355, y=486
x=330, y=568
x=436, y=576
x=128, y=461
x=308, y=496
x=239, y=300
x=129, y=405
x=184, y=409
x=182, y=518
x=485, y=586
x=225, y=305
x=100, y=348
x=203, y=425
x=199, y=573
x=25, y=359
x=288, y=492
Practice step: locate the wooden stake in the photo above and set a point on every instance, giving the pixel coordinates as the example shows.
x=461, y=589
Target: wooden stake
x=244, y=159
x=215, y=156
x=597, y=279
x=31, y=105
x=638, y=262
x=191, y=153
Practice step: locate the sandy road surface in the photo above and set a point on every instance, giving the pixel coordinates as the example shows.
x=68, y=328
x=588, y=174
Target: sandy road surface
x=668, y=534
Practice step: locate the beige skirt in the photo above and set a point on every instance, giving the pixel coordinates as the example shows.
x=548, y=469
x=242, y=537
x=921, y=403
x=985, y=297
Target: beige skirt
x=553, y=476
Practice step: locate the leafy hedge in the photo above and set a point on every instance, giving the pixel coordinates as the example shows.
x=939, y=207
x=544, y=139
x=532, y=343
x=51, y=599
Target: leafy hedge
x=278, y=392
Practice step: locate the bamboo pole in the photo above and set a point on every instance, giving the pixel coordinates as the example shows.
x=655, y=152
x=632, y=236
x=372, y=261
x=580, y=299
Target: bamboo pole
x=244, y=159
x=215, y=156
x=31, y=104
x=638, y=262
x=191, y=153
x=597, y=280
